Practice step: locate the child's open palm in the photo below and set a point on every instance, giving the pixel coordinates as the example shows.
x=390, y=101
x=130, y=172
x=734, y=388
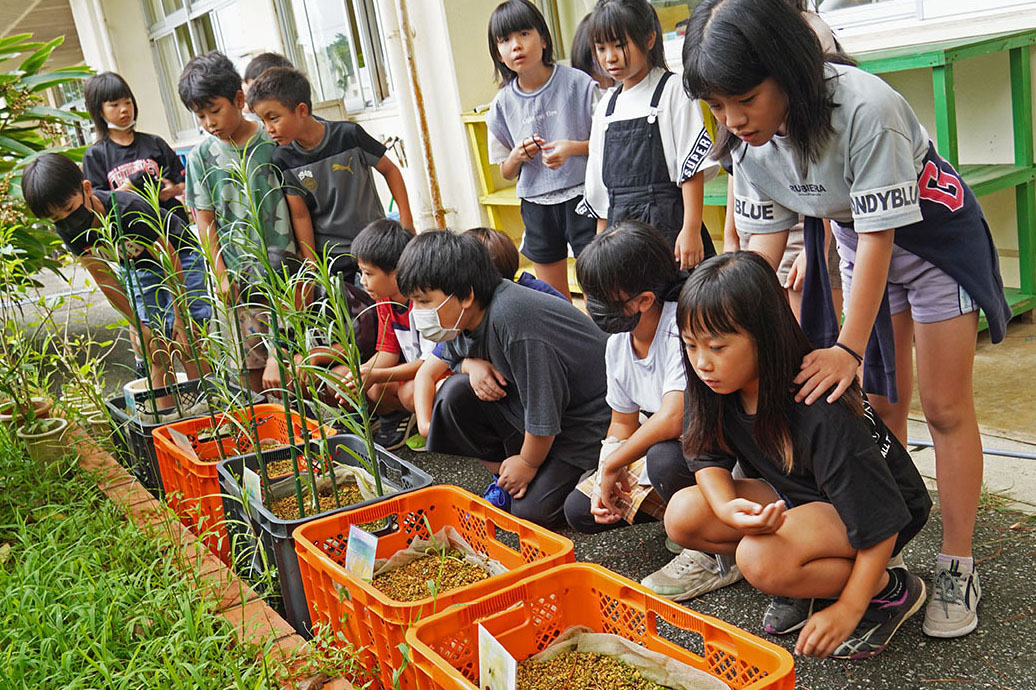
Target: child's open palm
x=752, y=518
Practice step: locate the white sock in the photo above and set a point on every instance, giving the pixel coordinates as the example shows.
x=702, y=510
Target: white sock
x=965, y=564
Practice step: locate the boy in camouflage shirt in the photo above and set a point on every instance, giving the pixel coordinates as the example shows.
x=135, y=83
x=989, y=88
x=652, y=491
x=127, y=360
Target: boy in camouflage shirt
x=217, y=168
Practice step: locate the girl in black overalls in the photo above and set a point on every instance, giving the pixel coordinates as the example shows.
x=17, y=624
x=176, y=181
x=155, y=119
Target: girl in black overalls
x=648, y=143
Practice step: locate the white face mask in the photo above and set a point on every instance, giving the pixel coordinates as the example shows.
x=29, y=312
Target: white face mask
x=131, y=125
x=426, y=321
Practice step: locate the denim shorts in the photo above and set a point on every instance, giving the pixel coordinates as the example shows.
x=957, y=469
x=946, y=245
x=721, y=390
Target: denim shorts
x=153, y=301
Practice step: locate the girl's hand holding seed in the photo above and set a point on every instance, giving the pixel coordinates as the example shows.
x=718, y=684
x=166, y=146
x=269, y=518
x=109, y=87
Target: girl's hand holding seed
x=750, y=517
x=557, y=152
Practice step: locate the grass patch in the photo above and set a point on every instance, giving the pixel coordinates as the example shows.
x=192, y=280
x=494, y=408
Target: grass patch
x=89, y=601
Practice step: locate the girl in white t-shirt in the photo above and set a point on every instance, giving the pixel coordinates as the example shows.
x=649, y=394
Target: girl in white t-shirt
x=629, y=279
x=648, y=143
x=831, y=141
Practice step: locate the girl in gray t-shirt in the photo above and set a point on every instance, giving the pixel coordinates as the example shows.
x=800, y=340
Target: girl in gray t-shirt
x=539, y=125
x=832, y=141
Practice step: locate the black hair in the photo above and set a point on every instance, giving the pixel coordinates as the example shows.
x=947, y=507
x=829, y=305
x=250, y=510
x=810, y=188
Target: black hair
x=625, y=260
x=583, y=56
x=264, y=61
x=614, y=20
x=512, y=16
x=459, y=265
x=48, y=181
x=206, y=78
x=100, y=89
x=381, y=244
x=738, y=292
x=502, y=251
x=287, y=86
x=732, y=46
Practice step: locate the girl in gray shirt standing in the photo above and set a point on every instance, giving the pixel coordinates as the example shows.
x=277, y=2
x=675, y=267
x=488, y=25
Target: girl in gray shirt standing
x=539, y=126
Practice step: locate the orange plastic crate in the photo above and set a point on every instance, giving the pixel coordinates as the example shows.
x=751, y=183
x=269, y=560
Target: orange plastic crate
x=527, y=616
x=376, y=624
x=192, y=485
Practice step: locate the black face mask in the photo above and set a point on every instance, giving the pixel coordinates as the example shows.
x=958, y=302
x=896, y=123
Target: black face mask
x=610, y=318
x=75, y=223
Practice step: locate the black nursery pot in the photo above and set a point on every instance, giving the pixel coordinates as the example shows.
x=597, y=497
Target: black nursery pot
x=259, y=528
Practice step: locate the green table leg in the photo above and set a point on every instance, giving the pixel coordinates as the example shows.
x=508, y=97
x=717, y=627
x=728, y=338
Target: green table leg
x=1025, y=195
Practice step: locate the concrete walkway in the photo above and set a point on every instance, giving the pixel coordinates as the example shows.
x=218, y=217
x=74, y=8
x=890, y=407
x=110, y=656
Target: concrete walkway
x=1000, y=654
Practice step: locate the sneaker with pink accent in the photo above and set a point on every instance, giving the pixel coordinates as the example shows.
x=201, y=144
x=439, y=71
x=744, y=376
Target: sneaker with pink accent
x=881, y=620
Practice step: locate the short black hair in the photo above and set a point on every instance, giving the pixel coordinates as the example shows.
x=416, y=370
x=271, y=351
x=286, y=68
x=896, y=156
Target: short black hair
x=511, y=16
x=502, y=251
x=206, y=78
x=48, y=181
x=287, y=86
x=614, y=20
x=264, y=61
x=381, y=244
x=98, y=90
x=627, y=259
x=459, y=265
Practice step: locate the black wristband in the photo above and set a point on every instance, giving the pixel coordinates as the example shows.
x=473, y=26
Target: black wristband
x=856, y=356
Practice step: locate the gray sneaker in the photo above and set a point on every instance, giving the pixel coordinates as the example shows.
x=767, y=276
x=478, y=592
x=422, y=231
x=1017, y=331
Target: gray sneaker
x=785, y=615
x=953, y=610
x=688, y=575
x=880, y=622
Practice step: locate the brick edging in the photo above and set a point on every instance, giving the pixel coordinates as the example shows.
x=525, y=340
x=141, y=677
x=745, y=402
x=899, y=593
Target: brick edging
x=253, y=620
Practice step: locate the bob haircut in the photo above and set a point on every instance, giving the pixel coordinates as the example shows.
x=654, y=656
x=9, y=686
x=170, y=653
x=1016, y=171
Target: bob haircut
x=509, y=17
x=614, y=20
x=502, y=251
x=100, y=89
x=381, y=244
x=732, y=46
x=625, y=260
x=287, y=86
x=206, y=78
x=738, y=293
x=49, y=180
x=262, y=62
x=459, y=265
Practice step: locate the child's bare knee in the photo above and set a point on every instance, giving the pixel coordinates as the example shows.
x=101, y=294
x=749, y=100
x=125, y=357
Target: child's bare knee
x=686, y=516
x=760, y=565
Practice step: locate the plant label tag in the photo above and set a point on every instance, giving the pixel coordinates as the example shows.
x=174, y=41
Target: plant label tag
x=360, y=552
x=497, y=669
x=251, y=485
x=183, y=443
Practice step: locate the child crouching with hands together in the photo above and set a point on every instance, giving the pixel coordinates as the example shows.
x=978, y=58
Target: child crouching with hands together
x=829, y=495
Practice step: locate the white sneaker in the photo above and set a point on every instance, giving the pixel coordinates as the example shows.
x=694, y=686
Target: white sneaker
x=688, y=575
x=953, y=609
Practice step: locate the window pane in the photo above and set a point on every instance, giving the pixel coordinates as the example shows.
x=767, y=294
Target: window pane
x=325, y=41
x=378, y=82
x=830, y=5
x=171, y=64
x=204, y=34
x=170, y=6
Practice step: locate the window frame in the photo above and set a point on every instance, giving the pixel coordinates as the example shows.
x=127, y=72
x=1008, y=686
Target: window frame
x=165, y=27
x=919, y=11
x=361, y=17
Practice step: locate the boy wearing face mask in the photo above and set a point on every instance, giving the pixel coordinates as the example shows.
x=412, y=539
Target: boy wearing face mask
x=545, y=431
x=54, y=189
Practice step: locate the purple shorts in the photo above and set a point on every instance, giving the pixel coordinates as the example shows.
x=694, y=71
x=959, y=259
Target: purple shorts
x=927, y=291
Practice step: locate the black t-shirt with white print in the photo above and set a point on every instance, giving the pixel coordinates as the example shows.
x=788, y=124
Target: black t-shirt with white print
x=851, y=462
x=108, y=165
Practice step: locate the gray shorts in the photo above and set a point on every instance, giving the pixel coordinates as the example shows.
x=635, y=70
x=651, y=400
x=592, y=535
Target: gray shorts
x=929, y=293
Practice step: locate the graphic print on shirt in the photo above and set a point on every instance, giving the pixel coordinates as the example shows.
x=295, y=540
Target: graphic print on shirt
x=941, y=187
x=877, y=202
x=753, y=209
x=700, y=149
x=121, y=173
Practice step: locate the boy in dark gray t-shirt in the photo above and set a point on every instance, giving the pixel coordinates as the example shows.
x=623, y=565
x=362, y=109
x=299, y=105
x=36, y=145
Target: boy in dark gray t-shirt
x=327, y=166
x=529, y=398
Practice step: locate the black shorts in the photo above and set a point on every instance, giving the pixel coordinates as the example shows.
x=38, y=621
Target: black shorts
x=551, y=228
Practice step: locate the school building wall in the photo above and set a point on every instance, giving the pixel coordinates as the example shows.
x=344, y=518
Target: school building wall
x=447, y=54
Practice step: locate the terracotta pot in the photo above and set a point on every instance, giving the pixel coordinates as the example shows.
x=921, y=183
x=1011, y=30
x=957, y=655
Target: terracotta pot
x=41, y=408
x=46, y=446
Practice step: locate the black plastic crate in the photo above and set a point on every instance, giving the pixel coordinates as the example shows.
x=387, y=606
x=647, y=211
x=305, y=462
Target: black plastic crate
x=275, y=535
x=133, y=440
